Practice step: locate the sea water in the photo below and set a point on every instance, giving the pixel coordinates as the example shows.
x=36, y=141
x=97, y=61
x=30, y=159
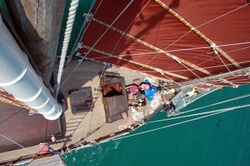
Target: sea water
x=220, y=140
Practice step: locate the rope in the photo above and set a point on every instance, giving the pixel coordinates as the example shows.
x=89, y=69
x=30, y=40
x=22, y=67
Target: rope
x=210, y=67
x=171, y=125
x=239, y=49
x=67, y=35
x=188, y=69
x=11, y=140
x=159, y=78
x=216, y=18
x=79, y=63
x=226, y=66
x=221, y=102
x=125, y=31
x=187, y=102
x=186, y=116
x=197, y=114
x=85, y=21
x=190, y=49
x=163, y=72
x=71, y=72
x=97, y=41
x=146, y=44
x=183, y=70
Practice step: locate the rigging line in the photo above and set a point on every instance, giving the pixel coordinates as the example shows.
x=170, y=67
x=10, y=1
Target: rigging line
x=178, y=59
x=79, y=63
x=103, y=70
x=225, y=45
x=74, y=49
x=235, y=76
x=210, y=67
x=223, y=62
x=91, y=59
x=245, y=78
x=197, y=98
x=11, y=140
x=130, y=26
x=168, y=126
x=97, y=41
x=184, y=70
x=172, y=80
x=191, y=49
x=218, y=82
x=147, y=56
x=217, y=103
x=112, y=52
x=242, y=80
x=216, y=18
x=148, y=72
x=197, y=114
x=239, y=49
x=117, y=31
x=185, y=116
x=222, y=45
x=213, y=58
x=71, y=72
x=137, y=63
x=190, y=70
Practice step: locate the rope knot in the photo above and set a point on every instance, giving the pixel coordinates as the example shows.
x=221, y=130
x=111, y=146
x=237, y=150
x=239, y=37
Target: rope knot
x=215, y=48
x=159, y=70
x=177, y=59
x=88, y=16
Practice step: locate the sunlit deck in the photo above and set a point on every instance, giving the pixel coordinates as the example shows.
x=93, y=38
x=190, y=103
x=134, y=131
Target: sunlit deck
x=90, y=126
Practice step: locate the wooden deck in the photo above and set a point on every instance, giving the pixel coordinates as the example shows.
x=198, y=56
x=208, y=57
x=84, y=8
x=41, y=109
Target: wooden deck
x=91, y=125
x=86, y=126
x=17, y=125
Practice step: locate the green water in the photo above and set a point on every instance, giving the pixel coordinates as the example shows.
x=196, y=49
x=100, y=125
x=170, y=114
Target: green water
x=219, y=140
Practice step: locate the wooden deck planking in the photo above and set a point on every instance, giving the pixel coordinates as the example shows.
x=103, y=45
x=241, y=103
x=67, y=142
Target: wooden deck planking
x=94, y=123
x=86, y=126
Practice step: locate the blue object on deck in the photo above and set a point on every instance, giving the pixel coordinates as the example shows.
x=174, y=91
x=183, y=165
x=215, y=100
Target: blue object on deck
x=150, y=93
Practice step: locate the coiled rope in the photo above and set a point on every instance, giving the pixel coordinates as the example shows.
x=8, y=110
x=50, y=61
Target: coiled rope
x=67, y=35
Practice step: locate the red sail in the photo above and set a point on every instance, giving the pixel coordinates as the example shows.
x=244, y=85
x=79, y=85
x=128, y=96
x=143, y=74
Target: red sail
x=149, y=38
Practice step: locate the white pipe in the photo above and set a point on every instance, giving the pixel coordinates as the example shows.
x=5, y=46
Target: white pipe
x=18, y=78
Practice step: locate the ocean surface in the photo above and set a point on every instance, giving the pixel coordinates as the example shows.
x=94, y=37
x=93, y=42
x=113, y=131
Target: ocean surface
x=219, y=140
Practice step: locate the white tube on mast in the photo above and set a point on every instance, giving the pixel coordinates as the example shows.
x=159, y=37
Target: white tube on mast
x=18, y=78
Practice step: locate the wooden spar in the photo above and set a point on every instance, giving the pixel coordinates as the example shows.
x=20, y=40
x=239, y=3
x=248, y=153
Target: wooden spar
x=179, y=60
x=15, y=103
x=137, y=63
x=244, y=71
x=7, y=98
x=196, y=31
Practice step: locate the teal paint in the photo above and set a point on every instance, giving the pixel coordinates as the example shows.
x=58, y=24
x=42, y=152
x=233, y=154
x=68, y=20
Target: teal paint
x=83, y=7
x=5, y=8
x=219, y=140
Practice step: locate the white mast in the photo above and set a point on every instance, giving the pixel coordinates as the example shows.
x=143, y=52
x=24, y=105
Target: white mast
x=18, y=78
